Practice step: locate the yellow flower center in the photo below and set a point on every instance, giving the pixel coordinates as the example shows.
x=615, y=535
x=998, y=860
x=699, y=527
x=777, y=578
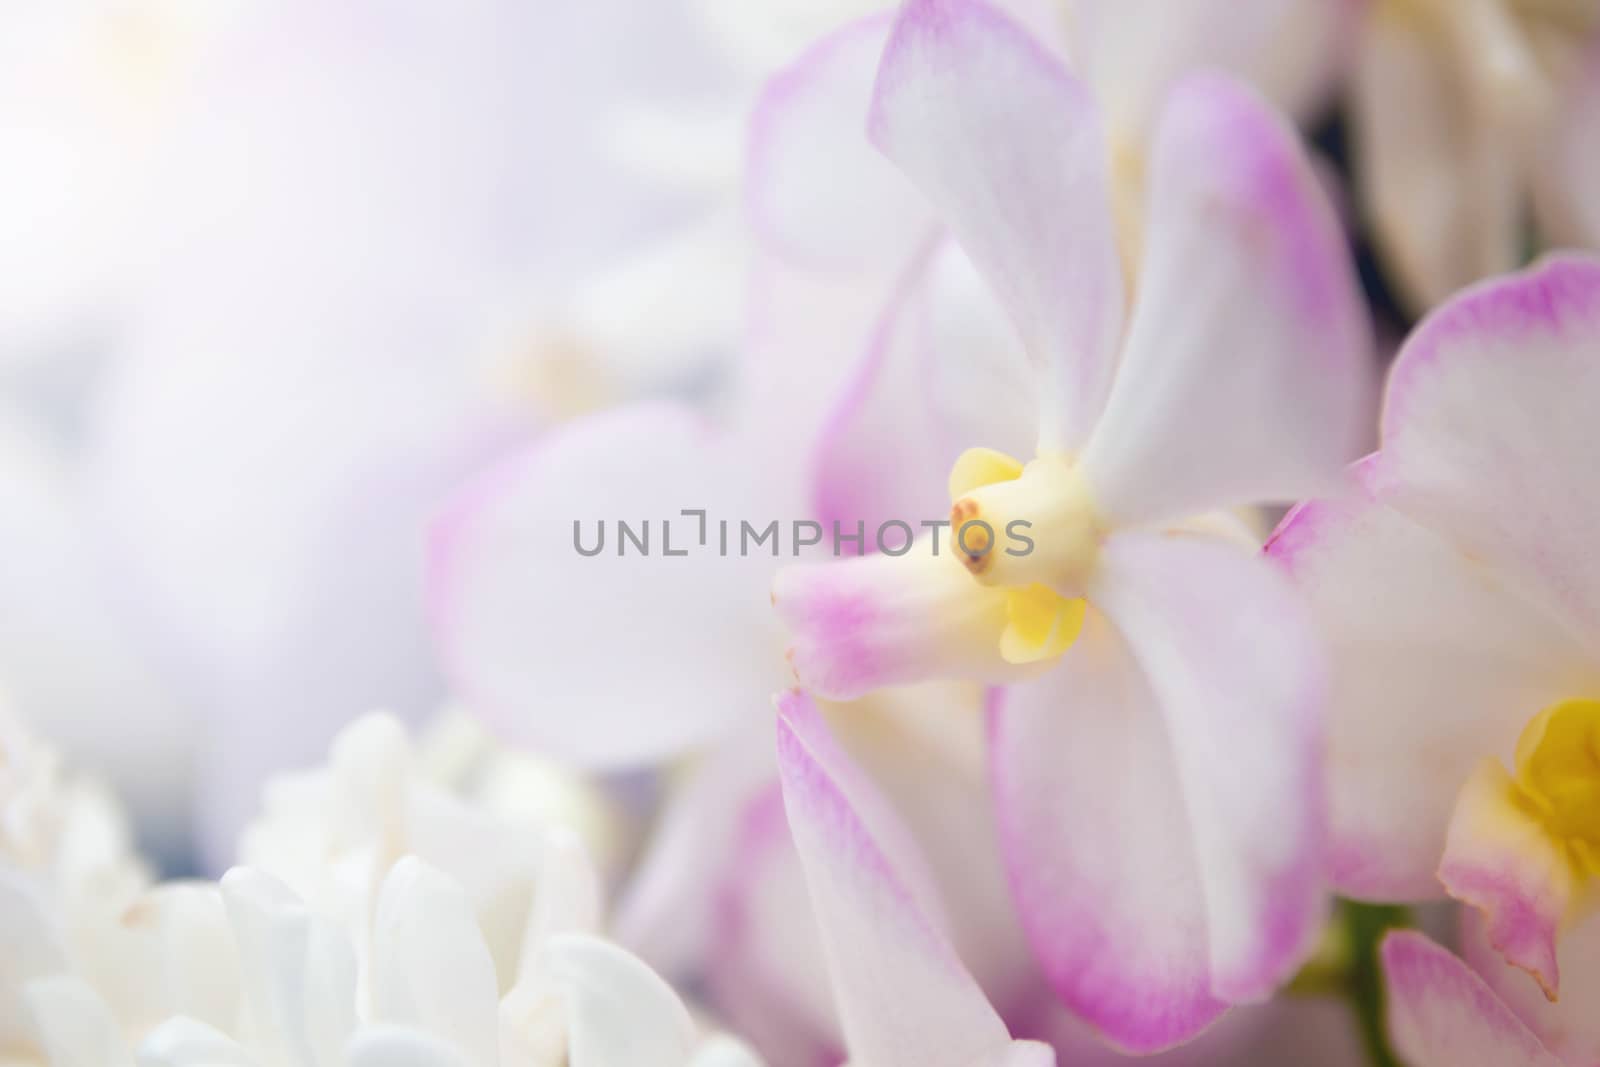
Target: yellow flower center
x=1030, y=529
x=1558, y=777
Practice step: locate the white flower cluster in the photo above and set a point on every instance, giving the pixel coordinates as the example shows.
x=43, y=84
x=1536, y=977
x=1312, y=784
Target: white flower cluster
x=379, y=917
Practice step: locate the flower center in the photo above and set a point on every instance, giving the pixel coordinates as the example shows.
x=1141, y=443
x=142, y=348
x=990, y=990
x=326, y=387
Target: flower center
x=1558, y=776
x=1030, y=529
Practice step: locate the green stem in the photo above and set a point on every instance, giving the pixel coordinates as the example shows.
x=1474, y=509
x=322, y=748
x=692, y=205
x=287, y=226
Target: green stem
x=1364, y=926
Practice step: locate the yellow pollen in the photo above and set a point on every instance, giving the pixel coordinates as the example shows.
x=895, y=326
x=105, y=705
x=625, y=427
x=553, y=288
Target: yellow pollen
x=1558, y=776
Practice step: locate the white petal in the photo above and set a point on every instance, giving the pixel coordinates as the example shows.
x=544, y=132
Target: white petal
x=430, y=966
x=75, y=1024
x=299, y=972
x=397, y=1046
x=34, y=949
x=185, y=1042
x=621, y=1013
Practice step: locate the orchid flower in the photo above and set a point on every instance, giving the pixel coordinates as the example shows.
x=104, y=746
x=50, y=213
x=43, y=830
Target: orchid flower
x=1465, y=116
x=1457, y=593
x=1201, y=886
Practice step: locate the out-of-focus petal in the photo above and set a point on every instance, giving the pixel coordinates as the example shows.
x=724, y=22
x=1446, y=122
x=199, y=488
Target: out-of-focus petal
x=1483, y=439
x=75, y=1025
x=1009, y=148
x=621, y=1013
x=1500, y=859
x=668, y=910
x=1570, y=203
x=1246, y=374
x=1133, y=52
x=860, y=624
x=398, y=1046
x=818, y=192
x=882, y=456
x=1569, y=1027
x=1440, y=179
x=431, y=968
x=1232, y=659
x=767, y=975
x=723, y=1051
x=184, y=1042
x=1436, y=664
x=1096, y=838
x=1443, y=1015
x=70, y=649
x=34, y=949
x=997, y=409
x=619, y=657
x=298, y=970
x=904, y=997
x=186, y=931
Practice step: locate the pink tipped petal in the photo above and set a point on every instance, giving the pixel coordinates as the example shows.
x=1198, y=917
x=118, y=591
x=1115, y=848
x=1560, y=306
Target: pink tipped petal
x=1435, y=664
x=1443, y=1015
x=1501, y=860
x=1008, y=147
x=861, y=624
x=818, y=193
x=1234, y=664
x=1096, y=840
x=607, y=659
x=1569, y=1027
x=904, y=998
x=1246, y=374
x=1488, y=432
